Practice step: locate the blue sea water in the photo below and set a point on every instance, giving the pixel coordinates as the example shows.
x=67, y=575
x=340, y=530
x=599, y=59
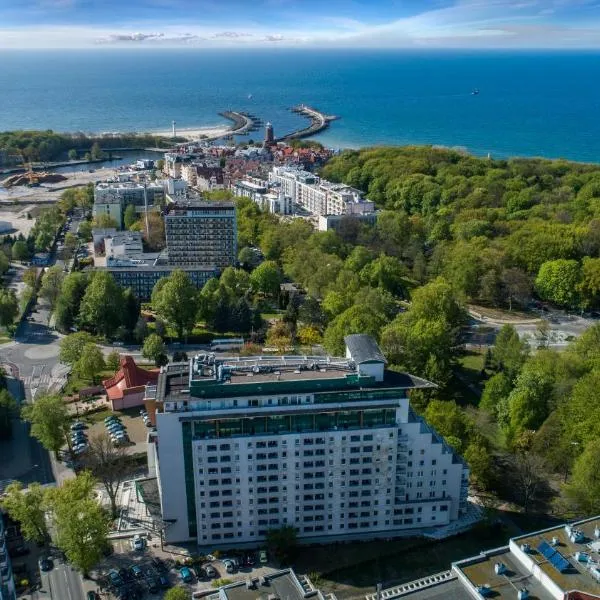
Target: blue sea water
x=530, y=103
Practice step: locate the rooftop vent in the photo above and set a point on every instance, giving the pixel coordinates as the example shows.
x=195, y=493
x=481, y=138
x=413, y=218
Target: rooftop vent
x=522, y=594
x=526, y=548
x=484, y=590
x=500, y=568
x=555, y=541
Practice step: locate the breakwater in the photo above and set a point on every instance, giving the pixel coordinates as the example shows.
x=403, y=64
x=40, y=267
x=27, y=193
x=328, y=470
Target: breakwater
x=318, y=122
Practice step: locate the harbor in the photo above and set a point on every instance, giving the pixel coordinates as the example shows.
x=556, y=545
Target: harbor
x=318, y=122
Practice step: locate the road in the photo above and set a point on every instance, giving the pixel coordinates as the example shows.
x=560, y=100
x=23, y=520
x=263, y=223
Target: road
x=63, y=582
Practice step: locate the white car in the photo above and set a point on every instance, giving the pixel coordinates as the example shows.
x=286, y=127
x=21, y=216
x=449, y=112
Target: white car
x=138, y=542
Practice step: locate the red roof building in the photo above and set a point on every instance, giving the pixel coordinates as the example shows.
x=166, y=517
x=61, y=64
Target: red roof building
x=126, y=387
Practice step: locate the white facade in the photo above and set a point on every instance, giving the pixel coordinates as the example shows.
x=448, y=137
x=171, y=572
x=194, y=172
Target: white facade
x=374, y=478
x=318, y=196
x=274, y=201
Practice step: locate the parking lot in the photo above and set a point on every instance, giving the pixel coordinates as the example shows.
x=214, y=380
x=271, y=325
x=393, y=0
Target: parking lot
x=148, y=573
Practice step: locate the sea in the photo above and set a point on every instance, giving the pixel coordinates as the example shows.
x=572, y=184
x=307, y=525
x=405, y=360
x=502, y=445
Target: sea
x=529, y=103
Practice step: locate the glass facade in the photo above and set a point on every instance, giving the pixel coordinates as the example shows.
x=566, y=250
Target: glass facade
x=292, y=423
x=190, y=491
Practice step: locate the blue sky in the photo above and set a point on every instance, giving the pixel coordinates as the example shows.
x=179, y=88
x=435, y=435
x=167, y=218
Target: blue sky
x=300, y=23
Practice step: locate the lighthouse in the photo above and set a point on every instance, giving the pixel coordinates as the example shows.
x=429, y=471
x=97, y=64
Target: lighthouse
x=269, y=136
x=174, y=130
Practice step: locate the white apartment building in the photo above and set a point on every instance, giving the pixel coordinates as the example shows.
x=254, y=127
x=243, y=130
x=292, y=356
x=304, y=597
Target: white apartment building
x=318, y=196
x=327, y=445
x=272, y=200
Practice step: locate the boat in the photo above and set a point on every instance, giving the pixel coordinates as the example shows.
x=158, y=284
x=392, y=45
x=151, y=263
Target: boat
x=249, y=96
x=475, y=92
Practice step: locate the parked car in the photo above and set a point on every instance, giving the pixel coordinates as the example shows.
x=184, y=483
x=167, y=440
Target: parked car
x=143, y=412
x=186, y=575
x=114, y=578
x=78, y=426
x=262, y=557
x=229, y=566
x=153, y=586
x=159, y=565
x=164, y=582
x=138, y=542
x=136, y=571
x=115, y=427
x=92, y=595
x=210, y=571
x=249, y=561
x=46, y=564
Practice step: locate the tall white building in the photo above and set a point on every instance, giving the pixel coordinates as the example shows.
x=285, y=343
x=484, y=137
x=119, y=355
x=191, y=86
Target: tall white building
x=327, y=445
x=318, y=196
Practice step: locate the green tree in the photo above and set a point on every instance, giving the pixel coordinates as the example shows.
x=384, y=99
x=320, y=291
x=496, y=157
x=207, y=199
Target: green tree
x=30, y=277
x=356, y=319
x=590, y=282
x=85, y=231
x=8, y=410
x=583, y=491
x=82, y=524
x=154, y=349
x=72, y=154
x=51, y=286
x=283, y=543
x=178, y=593
x=20, y=251
x=4, y=263
x=113, y=361
x=95, y=313
x=49, y=421
x=130, y=216
x=71, y=346
x=131, y=310
x=90, y=363
x=236, y=281
x=497, y=389
x=449, y=421
x=9, y=308
x=28, y=507
x=102, y=221
x=559, y=281
x=175, y=302
x=247, y=257
x=509, y=352
x=141, y=330
x=266, y=278
x=480, y=463
x=96, y=151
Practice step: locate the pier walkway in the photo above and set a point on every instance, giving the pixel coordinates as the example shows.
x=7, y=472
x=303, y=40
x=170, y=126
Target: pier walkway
x=318, y=122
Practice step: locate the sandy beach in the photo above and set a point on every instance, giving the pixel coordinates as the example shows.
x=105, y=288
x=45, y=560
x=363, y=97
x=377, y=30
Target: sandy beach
x=193, y=134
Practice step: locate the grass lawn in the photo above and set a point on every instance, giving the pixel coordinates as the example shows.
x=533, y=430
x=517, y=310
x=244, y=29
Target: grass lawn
x=468, y=381
x=76, y=383
x=4, y=338
x=352, y=570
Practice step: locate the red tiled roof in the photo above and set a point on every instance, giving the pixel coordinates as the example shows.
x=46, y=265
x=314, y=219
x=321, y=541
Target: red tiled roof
x=129, y=376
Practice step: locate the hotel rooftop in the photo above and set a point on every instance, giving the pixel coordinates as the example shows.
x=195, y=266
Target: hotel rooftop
x=559, y=563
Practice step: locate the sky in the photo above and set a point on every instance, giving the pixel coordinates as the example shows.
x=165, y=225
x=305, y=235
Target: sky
x=416, y=24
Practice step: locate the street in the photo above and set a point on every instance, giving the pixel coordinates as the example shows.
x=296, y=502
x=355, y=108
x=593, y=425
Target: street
x=63, y=582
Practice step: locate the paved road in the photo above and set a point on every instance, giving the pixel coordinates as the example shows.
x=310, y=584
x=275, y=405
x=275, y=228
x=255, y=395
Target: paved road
x=63, y=582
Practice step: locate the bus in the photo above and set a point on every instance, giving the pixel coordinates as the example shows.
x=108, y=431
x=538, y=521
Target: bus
x=225, y=344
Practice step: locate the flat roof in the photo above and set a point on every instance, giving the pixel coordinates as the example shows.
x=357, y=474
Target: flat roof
x=578, y=577
x=284, y=585
x=480, y=572
x=451, y=589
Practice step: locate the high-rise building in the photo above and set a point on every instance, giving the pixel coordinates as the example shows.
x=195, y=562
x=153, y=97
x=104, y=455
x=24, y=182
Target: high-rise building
x=326, y=444
x=201, y=233
x=7, y=582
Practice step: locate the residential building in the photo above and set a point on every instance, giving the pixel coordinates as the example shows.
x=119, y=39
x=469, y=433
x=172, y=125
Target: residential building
x=270, y=199
x=112, y=198
x=337, y=222
x=283, y=585
x=123, y=243
x=7, y=582
x=203, y=176
x=318, y=196
x=558, y=563
x=201, y=233
x=125, y=389
x=141, y=273
x=326, y=444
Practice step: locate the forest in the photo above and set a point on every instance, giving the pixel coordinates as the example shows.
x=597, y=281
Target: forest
x=50, y=145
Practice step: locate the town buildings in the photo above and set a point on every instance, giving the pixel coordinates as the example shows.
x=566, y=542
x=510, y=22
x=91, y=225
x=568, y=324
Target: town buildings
x=559, y=563
x=328, y=445
x=112, y=198
x=270, y=199
x=7, y=583
x=318, y=196
x=201, y=233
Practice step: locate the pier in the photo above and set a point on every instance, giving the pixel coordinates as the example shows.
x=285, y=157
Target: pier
x=318, y=122
x=243, y=122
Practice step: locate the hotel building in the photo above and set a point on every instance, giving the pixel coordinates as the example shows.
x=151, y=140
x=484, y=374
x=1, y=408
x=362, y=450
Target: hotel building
x=326, y=444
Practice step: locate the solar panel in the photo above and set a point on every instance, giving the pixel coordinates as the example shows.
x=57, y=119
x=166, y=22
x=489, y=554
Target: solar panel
x=546, y=550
